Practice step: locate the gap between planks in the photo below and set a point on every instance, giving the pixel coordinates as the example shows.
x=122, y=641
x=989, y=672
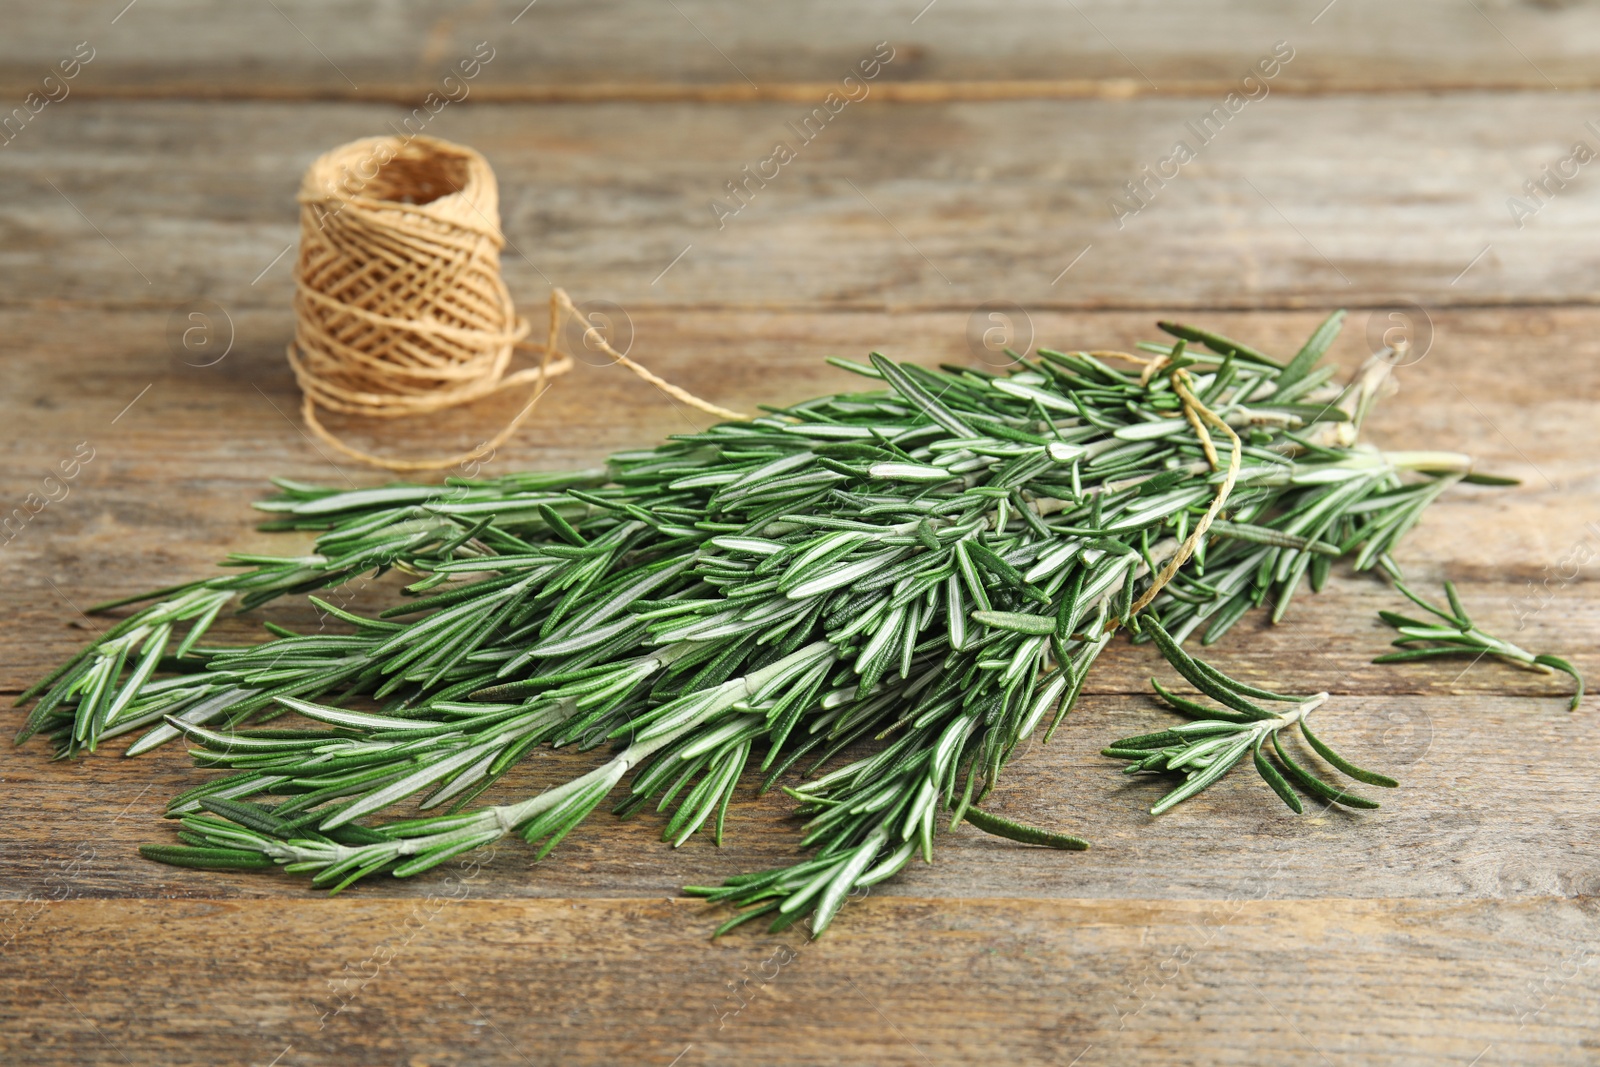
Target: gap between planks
x=908, y=92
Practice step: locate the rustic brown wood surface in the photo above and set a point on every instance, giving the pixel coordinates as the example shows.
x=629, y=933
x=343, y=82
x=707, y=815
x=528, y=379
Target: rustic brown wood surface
x=400, y=49
x=1458, y=924
x=1301, y=202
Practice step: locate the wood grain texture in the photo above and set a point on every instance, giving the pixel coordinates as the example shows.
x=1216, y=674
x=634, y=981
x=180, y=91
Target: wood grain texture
x=570, y=49
x=1457, y=924
x=1299, y=202
x=1478, y=815
x=1244, y=980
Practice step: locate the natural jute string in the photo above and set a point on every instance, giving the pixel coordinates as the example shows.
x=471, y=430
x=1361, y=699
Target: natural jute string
x=1199, y=416
x=399, y=304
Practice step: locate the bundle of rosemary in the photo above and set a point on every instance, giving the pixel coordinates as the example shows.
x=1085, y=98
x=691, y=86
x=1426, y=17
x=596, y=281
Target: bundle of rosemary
x=916, y=576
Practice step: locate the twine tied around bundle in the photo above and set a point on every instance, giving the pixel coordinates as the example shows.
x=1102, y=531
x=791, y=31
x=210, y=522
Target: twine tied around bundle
x=400, y=308
x=1199, y=417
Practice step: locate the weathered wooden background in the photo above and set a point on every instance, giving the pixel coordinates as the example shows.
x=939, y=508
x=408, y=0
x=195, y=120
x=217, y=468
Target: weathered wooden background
x=1456, y=925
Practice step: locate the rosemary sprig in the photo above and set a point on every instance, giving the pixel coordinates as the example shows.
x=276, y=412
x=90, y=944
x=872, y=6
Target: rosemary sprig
x=1460, y=636
x=1216, y=739
x=885, y=590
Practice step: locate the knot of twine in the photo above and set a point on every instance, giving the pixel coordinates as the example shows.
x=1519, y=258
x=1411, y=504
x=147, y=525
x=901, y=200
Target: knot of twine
x=400, y=308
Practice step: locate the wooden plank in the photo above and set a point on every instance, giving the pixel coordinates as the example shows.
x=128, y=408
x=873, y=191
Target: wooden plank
x=1246, y=980
x=380, y=50
x=1485, y=810
x=946, y=206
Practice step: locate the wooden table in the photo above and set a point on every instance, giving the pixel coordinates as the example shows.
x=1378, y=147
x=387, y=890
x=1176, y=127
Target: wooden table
x=1456, y=925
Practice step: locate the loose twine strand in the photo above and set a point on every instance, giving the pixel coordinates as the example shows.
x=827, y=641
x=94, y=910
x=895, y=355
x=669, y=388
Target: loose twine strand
x=400, y=308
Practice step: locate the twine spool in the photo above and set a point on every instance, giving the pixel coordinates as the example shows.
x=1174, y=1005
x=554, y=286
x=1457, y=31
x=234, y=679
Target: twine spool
x=400, y=308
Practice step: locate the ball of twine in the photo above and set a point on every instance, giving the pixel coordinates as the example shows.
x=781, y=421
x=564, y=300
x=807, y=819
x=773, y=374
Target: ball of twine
x=400, y=308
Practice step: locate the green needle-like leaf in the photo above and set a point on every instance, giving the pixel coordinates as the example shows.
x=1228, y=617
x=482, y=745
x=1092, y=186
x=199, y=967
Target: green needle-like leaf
x=1000, y=826
x=1313, y=784
x=1344, y=765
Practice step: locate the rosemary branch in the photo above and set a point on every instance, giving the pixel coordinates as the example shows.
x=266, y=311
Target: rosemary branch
x=909, y=579
x=1460, y=636
x=1206, y=748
